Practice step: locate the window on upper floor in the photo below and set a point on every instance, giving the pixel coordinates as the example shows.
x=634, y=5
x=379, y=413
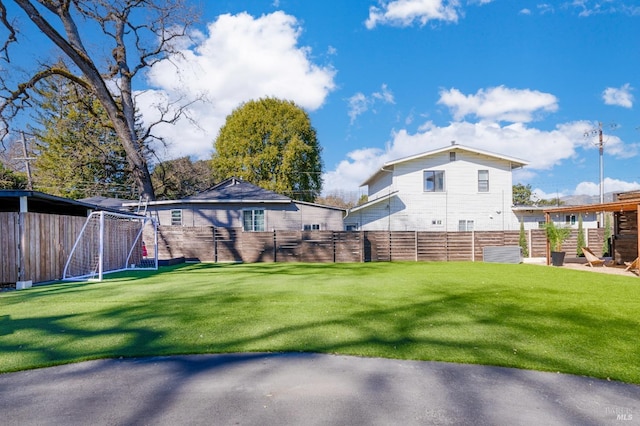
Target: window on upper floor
x=483, y=180
x=311, y=227
x=253, y=220
x=433, y=181
x=452, y=156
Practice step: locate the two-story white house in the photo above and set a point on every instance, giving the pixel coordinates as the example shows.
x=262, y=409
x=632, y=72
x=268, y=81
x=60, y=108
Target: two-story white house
x=455, y=188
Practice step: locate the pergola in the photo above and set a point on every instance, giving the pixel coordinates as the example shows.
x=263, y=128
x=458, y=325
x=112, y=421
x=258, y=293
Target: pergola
x=630, y=205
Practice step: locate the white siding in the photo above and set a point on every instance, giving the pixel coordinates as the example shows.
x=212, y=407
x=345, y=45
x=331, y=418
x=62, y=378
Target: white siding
x=414, y=209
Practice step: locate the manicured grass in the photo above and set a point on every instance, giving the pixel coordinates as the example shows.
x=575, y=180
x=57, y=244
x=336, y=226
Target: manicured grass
x=524, y=316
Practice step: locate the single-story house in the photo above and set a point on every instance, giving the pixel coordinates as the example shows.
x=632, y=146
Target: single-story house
x=235, y=203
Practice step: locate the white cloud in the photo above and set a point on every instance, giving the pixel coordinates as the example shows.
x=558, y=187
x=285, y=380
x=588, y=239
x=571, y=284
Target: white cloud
x=610, y=185
x=618, y=96
x=404, y=13
x=542, y=149
x=357, y=105
x=499, y=104
x=238, y=59
x=360, y=103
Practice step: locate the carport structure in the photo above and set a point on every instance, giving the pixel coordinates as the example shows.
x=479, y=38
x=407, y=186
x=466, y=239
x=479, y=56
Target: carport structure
x=626, y=238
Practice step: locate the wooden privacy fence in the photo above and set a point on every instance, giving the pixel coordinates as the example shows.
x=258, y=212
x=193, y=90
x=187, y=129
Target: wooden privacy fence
x=35, y=246
x=209, y=244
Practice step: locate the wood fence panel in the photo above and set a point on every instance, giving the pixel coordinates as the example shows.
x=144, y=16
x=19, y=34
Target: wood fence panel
x=432, y=246
x=256, y=246
x=288, y=246
x=226, y=245
x=403, y=245
x=316, y=246
x=9, y=235
x=348, y=246
x=595, y=240
x=377, y=246
x=538, y=243
x=459, y=246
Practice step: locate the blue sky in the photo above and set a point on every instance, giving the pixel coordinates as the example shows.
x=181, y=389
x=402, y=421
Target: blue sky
x=384, y=79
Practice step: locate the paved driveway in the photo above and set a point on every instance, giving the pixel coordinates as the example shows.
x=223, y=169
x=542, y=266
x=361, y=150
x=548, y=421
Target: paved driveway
x=307, y=389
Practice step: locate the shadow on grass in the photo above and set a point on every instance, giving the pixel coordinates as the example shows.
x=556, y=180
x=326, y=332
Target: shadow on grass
x=443, y=323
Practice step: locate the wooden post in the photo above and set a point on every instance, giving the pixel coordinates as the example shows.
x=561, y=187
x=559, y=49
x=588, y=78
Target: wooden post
x=547, y=218
x=638, y=230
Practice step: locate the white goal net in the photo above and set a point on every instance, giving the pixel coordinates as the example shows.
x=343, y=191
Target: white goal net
x=112, y=242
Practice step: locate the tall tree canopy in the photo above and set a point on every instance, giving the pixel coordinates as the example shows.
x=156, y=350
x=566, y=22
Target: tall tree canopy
x=78, y=152
x=270, y=143
x=137, y=33
x=180, y=178
x=522, y=195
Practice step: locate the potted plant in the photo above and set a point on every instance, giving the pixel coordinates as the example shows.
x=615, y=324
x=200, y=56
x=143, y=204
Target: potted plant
x=557, y=236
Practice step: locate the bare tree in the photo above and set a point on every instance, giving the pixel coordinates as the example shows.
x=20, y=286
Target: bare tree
x=139, y=33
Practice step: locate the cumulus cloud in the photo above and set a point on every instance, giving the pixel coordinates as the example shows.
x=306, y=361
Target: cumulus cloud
x=404, y=13
x=499, y=104
x=239, y=58
x=360, y=103
x=610, y=185
x=543, y=149
x=618, y=96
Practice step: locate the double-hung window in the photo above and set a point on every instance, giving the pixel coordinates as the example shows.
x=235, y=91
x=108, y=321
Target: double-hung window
x=483, y=180
x=253, y=220
x=433, y=181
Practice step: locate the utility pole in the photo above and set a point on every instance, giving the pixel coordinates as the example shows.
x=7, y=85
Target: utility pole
x=26, y=160
x=600, y=145
x=601, y=151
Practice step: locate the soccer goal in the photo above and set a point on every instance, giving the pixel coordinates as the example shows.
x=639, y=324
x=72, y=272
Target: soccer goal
x=112, y=242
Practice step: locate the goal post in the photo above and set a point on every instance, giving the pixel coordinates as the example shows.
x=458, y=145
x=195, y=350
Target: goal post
x=112, y=242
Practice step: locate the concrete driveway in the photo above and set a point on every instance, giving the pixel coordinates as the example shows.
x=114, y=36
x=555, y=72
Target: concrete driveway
x=307, y=389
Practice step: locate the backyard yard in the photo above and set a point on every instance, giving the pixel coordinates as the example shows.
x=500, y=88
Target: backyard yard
x=523, y=316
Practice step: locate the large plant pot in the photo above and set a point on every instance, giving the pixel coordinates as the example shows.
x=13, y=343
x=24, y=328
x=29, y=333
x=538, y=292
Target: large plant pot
x=557, y=258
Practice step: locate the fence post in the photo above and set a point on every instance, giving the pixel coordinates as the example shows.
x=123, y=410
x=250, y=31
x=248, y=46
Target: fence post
x=275, y=247
x=416, y=243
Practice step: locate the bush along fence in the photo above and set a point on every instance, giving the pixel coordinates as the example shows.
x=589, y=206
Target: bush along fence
x=209, y=244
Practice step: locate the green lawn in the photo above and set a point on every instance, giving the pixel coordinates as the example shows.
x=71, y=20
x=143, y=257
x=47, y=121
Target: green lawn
x=524, y=316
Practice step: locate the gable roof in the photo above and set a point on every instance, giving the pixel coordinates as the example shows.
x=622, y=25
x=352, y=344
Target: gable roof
x=234, y=189
x=515, y=162
x=229, y=191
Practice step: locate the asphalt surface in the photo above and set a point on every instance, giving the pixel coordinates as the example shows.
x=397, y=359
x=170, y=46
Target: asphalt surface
x=307, y=389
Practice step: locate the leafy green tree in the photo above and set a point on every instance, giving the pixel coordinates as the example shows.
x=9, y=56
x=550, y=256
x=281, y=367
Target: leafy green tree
x=78, y=151
x=11, y=180
x=180, y=178
x=270, y=143
x=523, y=240
x=608, y=232
x=581, y=239
x=522, y=195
